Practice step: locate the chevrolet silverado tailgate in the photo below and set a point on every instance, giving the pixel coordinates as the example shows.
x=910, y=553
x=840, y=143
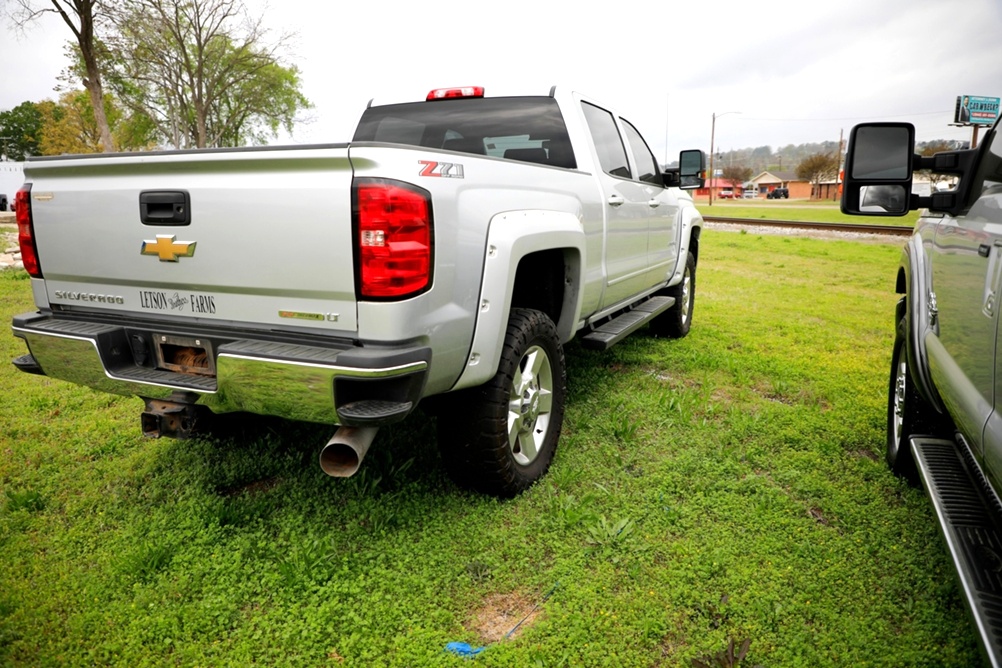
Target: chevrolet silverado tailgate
x=257, y=235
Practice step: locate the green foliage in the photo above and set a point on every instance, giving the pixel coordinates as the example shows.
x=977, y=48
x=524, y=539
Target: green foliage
x=28, y=500
x=201, y=73
x=711, y=492
x=20, y=131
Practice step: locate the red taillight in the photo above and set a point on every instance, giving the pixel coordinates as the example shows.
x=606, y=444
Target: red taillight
x=393, y=224
x=26, y=232
x=449, y=93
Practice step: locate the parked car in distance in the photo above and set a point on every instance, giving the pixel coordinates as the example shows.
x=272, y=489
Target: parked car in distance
x=726, y=193
x=779, y=193
x=3, y=202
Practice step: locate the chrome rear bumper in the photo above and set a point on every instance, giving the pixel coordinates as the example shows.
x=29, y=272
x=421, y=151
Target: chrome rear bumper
x=286, y=379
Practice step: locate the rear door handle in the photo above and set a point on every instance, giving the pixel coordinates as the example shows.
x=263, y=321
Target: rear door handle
x=616, y=200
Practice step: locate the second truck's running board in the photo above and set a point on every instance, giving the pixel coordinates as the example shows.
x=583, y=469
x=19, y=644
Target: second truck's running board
x=964, y=508
x=620, y=327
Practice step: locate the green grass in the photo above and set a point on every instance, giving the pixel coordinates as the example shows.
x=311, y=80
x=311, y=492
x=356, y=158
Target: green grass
x=814, y=211
x=722, y=488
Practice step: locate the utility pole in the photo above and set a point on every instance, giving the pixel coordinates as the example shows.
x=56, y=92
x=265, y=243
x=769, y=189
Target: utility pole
x=713, y=131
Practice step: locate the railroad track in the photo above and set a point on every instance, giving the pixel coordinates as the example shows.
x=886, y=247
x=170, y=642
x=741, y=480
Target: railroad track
x=862, y=228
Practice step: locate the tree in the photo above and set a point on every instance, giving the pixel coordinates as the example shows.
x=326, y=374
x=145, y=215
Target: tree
x=200, y=82
x=84, y=18
x=737, y=173
x=69, y=126
x=819, y=167
x=930, y=149
x=20, y=131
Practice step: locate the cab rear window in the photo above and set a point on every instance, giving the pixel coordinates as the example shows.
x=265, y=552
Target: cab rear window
x=529, y=129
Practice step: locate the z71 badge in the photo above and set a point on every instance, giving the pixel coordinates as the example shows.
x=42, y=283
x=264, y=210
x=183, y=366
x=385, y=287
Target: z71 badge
x=447, y=170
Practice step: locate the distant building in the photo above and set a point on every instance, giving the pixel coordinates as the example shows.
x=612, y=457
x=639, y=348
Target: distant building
x=768, y=181
x=718, y=185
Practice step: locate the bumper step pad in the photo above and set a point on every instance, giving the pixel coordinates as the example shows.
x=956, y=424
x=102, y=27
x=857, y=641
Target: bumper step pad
x=619, y=328
x=968, y=513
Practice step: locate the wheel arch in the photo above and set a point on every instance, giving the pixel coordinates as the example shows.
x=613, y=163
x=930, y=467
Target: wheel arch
x=913, y=282
x=533, y=259
x=692, y=227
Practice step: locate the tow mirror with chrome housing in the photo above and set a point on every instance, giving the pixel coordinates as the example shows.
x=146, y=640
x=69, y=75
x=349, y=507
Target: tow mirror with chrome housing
x=689, y=173
x=880, y=163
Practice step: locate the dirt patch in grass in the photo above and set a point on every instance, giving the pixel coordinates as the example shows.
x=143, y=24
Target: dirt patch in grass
x=500, y=613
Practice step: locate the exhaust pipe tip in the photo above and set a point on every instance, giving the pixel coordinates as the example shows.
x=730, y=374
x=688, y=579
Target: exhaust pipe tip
x=343, y=454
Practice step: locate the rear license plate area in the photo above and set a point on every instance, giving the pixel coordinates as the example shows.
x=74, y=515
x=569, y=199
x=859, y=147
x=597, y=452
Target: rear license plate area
x=182, y=354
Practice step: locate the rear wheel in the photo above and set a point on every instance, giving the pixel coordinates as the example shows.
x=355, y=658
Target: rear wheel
x=676, y=321
x=500, y=437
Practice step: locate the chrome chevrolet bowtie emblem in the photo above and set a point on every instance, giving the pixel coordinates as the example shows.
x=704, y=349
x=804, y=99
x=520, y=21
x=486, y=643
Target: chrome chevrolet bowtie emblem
x=167, y=249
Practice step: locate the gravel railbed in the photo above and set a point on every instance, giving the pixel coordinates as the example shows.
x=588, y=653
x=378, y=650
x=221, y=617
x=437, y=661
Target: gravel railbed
x=806, y=232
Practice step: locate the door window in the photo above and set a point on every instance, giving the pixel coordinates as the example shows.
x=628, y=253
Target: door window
x=608, y=143
x=646, y=164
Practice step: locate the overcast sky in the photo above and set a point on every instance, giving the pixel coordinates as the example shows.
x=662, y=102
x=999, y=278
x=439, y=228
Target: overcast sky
x=796, y=71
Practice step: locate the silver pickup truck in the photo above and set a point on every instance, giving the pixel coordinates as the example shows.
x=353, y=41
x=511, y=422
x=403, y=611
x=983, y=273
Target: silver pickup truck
x=944, y=399
x=450, y=249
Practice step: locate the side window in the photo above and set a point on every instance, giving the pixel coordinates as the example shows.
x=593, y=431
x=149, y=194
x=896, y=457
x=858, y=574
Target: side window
x=646, y=164
x=608, y=143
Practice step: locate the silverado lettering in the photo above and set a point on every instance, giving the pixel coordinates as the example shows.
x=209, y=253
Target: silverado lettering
x=88, y=297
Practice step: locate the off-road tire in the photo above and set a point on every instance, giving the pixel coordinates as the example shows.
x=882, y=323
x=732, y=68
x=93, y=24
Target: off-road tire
x=500, y=438
x=676, y=321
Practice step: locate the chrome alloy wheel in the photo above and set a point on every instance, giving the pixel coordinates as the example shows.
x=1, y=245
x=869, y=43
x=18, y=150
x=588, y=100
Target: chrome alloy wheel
x=898, y=417
x=529, y=405
x=686, y=289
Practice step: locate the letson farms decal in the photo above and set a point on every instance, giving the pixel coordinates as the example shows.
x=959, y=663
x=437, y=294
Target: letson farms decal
x=157, y=300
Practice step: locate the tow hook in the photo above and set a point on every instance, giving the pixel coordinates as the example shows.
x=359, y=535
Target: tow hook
x=168, y=418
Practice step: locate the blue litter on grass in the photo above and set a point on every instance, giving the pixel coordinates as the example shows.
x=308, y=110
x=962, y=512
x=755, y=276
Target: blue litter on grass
x=463, y=649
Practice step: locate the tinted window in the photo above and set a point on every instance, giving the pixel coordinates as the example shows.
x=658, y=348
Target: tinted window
x=608, y=143
x=642, y=155
x=530, y=129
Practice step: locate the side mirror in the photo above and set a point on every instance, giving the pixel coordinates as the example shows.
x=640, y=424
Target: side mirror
x=692, y=165
x=878, y=170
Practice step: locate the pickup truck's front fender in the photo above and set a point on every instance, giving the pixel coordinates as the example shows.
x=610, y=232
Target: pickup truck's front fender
x=512, y=236
x=913, y=282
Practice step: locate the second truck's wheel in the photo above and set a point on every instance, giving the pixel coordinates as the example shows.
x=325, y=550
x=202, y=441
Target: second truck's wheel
x=676, y=321
x=500, y=437
x=908, y=413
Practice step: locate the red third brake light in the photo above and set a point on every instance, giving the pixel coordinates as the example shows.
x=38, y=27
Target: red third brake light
x=393, y=233
x=450, y=93
x=26, y=232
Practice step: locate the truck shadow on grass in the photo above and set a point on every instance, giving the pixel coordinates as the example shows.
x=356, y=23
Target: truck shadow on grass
x=246, y=455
